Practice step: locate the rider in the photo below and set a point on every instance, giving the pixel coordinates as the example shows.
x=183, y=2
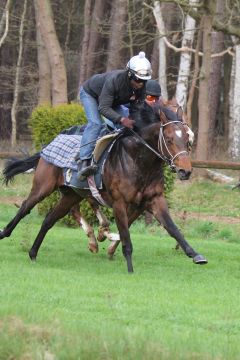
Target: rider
x=105, y=94
x=153, y=91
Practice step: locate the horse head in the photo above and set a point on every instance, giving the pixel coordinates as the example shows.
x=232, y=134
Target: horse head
x=174, y=143
x=166, y=131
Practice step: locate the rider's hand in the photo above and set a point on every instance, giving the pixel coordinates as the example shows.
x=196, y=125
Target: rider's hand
x=127, y=122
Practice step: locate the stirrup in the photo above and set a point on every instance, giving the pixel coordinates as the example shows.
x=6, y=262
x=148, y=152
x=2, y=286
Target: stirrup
x=86, y=170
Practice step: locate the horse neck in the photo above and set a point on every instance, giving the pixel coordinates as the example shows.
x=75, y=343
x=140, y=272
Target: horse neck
x=137, y=152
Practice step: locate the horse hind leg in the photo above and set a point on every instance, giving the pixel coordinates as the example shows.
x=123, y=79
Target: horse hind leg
x=64, y=205
x=92, y=242
x=159, y=209
x=104, y=228
x=44, y=183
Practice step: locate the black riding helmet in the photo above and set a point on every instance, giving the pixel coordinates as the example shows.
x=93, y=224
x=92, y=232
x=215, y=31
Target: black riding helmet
x=153, y=88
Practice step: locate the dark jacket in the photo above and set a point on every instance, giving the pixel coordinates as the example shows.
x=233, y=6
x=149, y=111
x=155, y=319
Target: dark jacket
x=111, y=89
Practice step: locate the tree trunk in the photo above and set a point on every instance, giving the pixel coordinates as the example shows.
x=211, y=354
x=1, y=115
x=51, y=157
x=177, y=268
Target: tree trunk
x=194, y=77
x=215, y=82
x=17, y=79
x=118, y=21
x=162, y=49
x=203, y=100
x=155, y=58
x=185, y=60
x=94, y=58
x=234, y=100
x=85, y=42
x=44, y=71
x=5, y=21
x=55, y=55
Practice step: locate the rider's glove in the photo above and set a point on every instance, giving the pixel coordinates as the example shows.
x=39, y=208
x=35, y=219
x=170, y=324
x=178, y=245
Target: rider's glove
x=127, y=122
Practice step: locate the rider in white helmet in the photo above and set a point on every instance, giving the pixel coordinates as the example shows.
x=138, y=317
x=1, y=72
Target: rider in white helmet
x=139, y=67
x=104, y=95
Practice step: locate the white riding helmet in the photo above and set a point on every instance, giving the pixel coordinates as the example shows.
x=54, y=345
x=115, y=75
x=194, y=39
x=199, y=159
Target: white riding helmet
x=140, y=67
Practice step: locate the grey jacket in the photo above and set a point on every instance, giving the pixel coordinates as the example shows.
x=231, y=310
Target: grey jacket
x=112, y=89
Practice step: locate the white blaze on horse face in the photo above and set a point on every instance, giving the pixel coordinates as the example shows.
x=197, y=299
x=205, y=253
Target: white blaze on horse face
x=179, y=133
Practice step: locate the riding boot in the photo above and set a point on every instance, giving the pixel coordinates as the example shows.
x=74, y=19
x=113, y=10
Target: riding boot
x=85, y=169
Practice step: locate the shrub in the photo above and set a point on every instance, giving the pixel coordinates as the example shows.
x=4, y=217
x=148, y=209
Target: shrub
x=46, y=123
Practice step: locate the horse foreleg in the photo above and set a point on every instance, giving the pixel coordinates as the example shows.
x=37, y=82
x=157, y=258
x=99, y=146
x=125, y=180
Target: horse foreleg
x=121, y=218
x=60, y=210
x=159, y=208
x=92, y=242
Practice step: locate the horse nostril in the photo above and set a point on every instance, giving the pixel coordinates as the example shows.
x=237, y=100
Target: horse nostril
x=184, y=174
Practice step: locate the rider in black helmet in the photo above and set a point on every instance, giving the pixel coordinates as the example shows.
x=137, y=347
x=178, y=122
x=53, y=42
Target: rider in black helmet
x=153, y=91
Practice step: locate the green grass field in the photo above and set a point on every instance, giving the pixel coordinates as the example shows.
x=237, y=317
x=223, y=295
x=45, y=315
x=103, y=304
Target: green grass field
x=72, y=304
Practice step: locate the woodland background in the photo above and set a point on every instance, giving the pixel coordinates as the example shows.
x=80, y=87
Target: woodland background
x=48, y=48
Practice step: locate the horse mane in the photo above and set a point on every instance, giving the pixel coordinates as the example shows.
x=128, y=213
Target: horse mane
x=144, y=114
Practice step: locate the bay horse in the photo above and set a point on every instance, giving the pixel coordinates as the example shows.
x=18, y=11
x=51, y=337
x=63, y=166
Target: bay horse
x=132, y=179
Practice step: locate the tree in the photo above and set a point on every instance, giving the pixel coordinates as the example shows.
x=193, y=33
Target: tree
x=234, y=129
x=185, y=60
x=55, y=55
x=203, y=99
x=4, y=22
x=17, y=78
x=44, y=70
x=118, y=20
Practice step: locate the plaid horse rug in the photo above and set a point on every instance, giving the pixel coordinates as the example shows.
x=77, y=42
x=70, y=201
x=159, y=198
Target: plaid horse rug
x=62, y=151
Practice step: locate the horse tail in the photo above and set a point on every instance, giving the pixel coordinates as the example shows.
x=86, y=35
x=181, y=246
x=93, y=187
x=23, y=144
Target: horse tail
x=18, y=166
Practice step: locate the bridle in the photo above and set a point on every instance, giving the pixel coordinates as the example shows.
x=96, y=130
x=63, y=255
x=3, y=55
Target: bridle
x=162, y=142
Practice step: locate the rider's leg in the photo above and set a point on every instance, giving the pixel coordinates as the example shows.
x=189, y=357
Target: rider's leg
x=90, y=134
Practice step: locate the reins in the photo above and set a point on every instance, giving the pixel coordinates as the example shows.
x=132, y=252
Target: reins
x=146, y=144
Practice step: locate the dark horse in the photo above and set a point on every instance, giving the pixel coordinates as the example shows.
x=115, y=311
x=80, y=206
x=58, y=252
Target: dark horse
x=133, y=180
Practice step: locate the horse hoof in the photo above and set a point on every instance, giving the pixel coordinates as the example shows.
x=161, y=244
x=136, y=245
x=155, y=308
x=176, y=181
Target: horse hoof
x=93, y=248
x=101, y=237
x=1, y=235
x=32, y=256
x=200, y=260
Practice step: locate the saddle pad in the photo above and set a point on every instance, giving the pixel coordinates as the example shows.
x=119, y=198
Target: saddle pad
x=70, y=175
x=103, y=143
x=62, y=151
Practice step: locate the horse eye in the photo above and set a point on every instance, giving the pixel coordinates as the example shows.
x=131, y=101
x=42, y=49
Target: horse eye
x=169, y=140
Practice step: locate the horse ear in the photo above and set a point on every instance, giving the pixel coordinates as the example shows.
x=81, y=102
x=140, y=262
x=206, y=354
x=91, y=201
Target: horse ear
x=180, y=113
x=162, y=116
x=162, y=101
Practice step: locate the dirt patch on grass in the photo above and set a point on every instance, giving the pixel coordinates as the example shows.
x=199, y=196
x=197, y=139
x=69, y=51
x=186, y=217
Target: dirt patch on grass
x=184, y=216
x=11, y=200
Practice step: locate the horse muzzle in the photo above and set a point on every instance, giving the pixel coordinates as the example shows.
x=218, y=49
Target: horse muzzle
x=183, y=174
